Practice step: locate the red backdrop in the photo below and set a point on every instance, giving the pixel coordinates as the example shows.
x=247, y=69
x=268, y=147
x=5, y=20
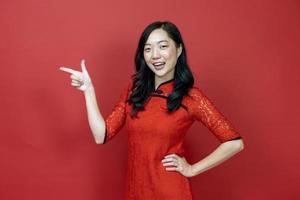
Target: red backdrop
x=243, y=55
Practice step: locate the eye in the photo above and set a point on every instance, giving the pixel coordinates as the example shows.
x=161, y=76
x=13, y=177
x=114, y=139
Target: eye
x=147, y=49
x=164, y=46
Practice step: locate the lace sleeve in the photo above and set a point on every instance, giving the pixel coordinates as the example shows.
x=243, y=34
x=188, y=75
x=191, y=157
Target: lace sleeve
x=203, y=110
x=115, y=121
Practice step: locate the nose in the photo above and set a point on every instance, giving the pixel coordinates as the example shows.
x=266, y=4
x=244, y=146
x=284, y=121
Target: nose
x=155, y=54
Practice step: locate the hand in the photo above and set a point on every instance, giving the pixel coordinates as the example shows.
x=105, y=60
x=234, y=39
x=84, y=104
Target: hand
x=80, y=80
x=180, y=163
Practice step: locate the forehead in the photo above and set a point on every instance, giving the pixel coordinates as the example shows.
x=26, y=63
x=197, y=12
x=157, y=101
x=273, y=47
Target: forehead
x=156, y=36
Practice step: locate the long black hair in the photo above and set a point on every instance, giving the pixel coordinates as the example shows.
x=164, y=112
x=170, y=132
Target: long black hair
x=143, y=79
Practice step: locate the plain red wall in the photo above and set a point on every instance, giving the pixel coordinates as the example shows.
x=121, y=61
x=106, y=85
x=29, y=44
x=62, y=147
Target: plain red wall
x=243, y=55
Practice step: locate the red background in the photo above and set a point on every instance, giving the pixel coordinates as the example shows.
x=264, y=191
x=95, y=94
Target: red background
x=243, y=55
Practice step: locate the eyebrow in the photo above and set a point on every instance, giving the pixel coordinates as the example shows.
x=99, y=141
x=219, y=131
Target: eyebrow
x=158, y=42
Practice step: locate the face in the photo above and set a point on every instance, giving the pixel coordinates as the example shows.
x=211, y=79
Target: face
x=161, y=54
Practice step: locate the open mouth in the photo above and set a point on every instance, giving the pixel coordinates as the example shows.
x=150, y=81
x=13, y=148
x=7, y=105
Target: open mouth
x=159, y=65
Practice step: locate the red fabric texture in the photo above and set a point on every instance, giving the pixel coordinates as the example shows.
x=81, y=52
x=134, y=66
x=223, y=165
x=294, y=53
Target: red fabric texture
x=157, y=133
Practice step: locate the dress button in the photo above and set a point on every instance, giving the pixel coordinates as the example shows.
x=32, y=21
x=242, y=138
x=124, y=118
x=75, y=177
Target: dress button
x=158, y=91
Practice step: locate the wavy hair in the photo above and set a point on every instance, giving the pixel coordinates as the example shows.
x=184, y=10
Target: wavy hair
x=143, y=79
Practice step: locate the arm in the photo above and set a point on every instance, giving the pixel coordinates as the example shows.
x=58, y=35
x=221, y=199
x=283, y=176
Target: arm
x=104, y=129
x=219, y=155
x=202, y=109
x=82, y=81
x=95, y=119
x=231, y=141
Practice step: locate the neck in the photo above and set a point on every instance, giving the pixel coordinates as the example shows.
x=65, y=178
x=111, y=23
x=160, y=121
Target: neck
x=159, y=81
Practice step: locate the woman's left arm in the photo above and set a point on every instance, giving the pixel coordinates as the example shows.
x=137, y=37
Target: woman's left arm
x=203, y=110
x=173, y=162
x=223, y=152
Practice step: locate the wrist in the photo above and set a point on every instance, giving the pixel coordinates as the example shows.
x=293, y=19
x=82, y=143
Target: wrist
x=89, y=89
x=193, y=170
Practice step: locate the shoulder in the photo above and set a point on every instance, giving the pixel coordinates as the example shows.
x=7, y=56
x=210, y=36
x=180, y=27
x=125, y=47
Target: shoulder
x=126, y=89
x=196, y=98
x=195, y=93
x=195, y=90
x=127, y=86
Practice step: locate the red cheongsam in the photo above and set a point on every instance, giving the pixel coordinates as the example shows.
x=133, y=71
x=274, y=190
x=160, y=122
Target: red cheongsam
x=156, y=133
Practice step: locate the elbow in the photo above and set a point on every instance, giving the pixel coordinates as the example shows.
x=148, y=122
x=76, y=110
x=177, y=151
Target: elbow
x=99, y=140
x=239, y=144
x=235, y=145
x=242, y=145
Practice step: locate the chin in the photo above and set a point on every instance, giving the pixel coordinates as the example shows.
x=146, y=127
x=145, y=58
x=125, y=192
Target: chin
x=160, y=74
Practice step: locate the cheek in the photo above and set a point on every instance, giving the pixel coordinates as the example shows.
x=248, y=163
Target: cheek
x=146, y=57
x=169, y=54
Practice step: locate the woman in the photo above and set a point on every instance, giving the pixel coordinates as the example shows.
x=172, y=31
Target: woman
x=158, y=107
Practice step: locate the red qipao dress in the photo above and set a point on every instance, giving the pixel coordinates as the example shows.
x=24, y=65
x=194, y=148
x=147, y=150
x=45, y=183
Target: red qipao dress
x=156, y=133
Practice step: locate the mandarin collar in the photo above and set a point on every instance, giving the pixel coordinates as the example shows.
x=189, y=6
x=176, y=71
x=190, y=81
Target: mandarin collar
x=165, y=87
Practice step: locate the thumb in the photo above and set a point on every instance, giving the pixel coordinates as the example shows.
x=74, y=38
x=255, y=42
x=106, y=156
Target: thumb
x=83, y=67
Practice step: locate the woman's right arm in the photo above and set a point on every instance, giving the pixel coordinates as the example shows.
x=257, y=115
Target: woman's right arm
x=95, y=119
x=82, y=81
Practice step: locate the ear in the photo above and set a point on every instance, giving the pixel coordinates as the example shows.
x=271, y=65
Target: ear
x=179, y=50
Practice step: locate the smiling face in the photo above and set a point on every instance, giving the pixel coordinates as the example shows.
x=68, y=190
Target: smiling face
x=161, y=54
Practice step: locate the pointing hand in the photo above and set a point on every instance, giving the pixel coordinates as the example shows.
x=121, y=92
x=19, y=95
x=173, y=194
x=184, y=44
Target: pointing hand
x=80, y=80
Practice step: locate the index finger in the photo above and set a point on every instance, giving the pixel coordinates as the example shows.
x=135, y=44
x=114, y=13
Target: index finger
x=67, y=70
x=171, y=155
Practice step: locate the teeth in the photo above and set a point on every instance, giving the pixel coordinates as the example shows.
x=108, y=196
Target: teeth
x=157, y=64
